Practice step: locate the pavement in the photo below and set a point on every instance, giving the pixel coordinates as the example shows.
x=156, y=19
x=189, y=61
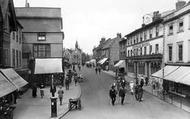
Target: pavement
x=39, y=108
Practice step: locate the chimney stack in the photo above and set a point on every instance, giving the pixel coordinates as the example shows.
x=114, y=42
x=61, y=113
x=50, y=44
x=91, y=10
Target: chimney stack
x=102, y=40
x=118, y=35
x=27, y=4
x=180, y=4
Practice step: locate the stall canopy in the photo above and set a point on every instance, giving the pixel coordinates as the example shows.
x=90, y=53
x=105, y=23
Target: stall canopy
x=13, y=77
x=120, y=64
x=167, y=70
x=48, y=66
x=6, y=87
x=102, y=61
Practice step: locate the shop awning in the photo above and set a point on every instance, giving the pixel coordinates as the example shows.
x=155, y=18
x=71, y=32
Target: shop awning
x=178, y=74
x=167, y=71
x=102, y=61
x=121, y=63
x=48, y=66
x=13, y=77
x=185, y=79
x=6, y=87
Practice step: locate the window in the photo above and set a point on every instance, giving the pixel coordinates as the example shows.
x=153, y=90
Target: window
x=150, y=33
x=13, y=34
x=150, y=49
x=6, y=57
x=157, y=49
x=17, y=59
x=13, y=57
x=20, y=36
x=180, y=25
x=17, y=36
x=170, y=52
x=144, y=50
x=141, y=51
x=180, y=52
x=144, y=35
x=170, y=29
x=128, y=53
x=137, y=38
x=20, y=58
x=41, y=50
x=41, y=36
x=131, y=53
x=141, y=37
x=157, y=31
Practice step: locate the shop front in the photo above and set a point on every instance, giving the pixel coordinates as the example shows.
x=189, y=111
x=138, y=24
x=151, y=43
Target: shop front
x=10, y=84
x=176, y=85
x=120, y=68
x=104, y=63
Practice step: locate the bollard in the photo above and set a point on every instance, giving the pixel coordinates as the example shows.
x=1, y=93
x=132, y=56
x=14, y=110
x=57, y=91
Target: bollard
x=53, y=107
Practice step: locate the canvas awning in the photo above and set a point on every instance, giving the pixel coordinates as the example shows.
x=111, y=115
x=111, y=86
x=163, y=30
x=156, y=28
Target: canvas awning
x=6, y=87
x=178, y=74
x=13, y=77
x=121, y=63
x=102, y=61
x=48, y=66
x=167, y=71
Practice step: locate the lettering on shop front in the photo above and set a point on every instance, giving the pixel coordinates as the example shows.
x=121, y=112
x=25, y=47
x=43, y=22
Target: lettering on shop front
x=141, y=45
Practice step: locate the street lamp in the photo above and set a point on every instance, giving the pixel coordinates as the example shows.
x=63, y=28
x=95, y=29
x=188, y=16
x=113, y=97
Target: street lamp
x=53, y=99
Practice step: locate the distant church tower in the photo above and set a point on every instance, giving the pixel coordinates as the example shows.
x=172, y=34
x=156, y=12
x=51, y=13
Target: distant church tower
x=76, y=45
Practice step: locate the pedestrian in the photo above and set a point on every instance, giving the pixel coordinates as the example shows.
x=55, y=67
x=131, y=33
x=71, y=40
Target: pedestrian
x=131, y=84
x=96, y=69
x=146, y=81
x=112, y=94
x=122, y=92
x=67, y=83
x=137, y=92
x=60, y=94
x=34, y=90
x=41, y=90
x=76, y=79
x=123, y=83
x=53, y=90
x=140, y=94
x=99, y=70
x=142, y=82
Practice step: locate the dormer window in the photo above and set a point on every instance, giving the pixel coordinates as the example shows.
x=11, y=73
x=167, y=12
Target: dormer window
x=41, y=36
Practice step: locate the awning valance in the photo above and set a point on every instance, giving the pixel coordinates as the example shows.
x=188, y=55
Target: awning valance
x=102, y=61
x=167, y=70
x=13, y=77
x=48, y=66
x=121, y=63
x=6, y=86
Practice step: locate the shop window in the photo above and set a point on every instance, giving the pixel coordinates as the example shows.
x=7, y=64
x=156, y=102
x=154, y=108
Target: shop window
x=41, y=36
x=170, y=52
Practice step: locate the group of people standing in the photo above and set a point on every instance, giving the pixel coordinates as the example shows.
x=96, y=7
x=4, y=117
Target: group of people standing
x=98, y=69
x=119, y=88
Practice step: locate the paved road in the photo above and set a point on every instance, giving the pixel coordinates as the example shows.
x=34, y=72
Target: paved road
x=96, y=103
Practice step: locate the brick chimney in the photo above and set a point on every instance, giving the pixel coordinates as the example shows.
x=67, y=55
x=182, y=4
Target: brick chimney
x=180, y=4
x=102, y=40
x=118, y=35
x=27, y=4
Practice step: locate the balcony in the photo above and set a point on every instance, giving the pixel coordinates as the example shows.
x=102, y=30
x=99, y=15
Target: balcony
x=146, y=57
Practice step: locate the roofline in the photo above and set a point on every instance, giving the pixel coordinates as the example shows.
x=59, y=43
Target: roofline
x=38, y=7
x=160, y=20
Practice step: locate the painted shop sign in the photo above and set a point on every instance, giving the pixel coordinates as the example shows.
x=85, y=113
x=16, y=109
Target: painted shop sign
x=141, y=45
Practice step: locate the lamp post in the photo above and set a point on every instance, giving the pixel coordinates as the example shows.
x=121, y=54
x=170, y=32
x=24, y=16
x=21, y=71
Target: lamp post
x=53, y=99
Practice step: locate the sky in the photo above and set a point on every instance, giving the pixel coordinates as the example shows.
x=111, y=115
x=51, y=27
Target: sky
x=87, y=21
